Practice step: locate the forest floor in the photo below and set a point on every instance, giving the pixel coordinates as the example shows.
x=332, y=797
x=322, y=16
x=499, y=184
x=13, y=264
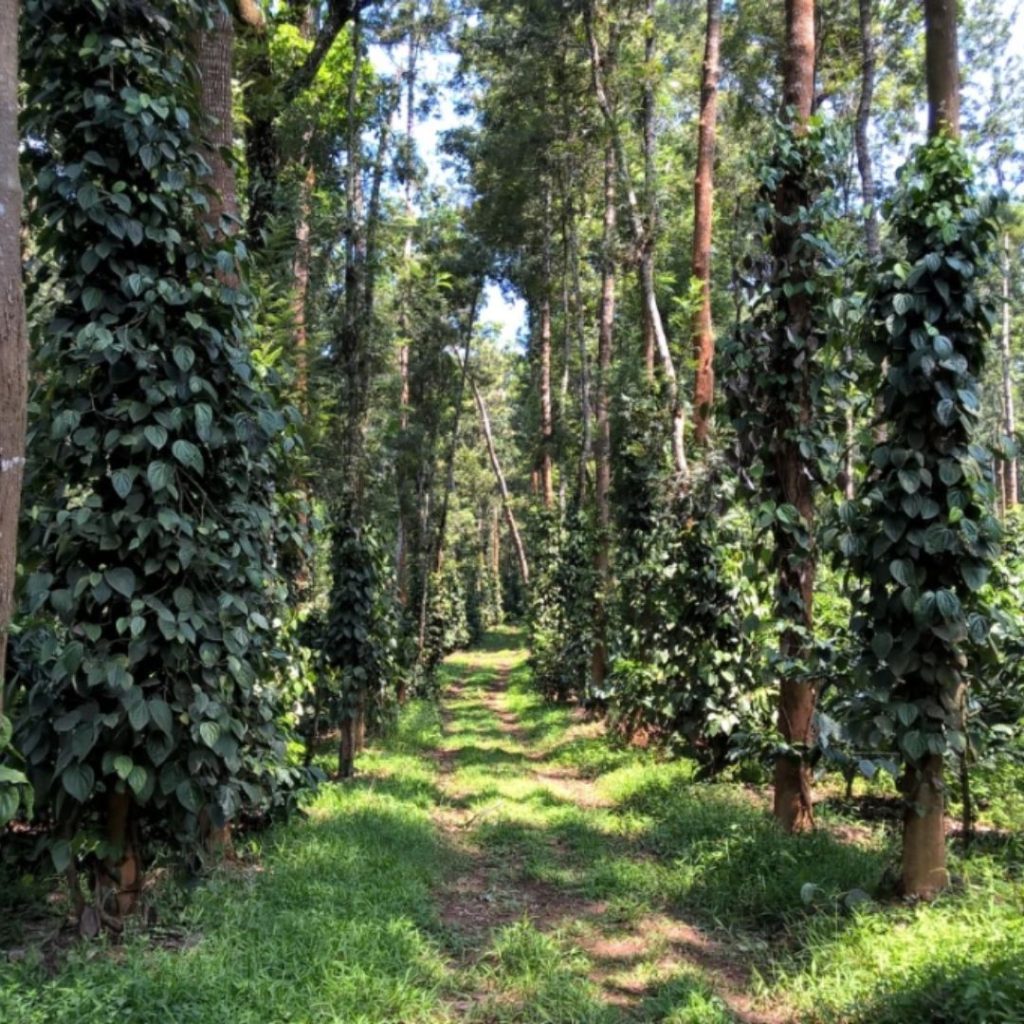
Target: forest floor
x=501, y=861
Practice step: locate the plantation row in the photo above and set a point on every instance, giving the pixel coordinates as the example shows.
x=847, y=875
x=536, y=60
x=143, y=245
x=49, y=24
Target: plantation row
x=279, y=461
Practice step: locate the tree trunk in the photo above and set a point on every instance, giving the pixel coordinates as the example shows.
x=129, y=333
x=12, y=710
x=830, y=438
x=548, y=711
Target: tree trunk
x=547, y=430
x=924, y=871
x=867, y=191
x=403, y=532
x=797, y=697
x=924, y=824
x=506, y=501
x=13, y=334
x=600, y=69
x=603, y=432
x=1009, y=469
x=862, y=125
x=942, y=68
x=214, y=62
x=650, y=183
x=300, y=289
x=703, y=209
x=119, y=875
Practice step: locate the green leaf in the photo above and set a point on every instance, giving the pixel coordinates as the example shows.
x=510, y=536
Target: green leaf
x=902, y=572
x=910, y=480
x=159, y=475
x=155, y=435
x=975, y=574
x=947, y=603
x=210, y=733
x=188, y=455
x=123, y=765
x=160, y=714
x=122, y=481
x=881, y=644
x=121, y=580
x=78, y=780
x=184, y=357
x=137, y=779
x=60, y=854
x=915, y=744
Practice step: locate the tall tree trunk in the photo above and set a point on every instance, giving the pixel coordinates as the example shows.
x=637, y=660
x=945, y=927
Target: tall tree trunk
x=214, y=62
x=13, y=334
x=863, y=123
x=547, y=429
x=647, y=106
x=499, y=476
x=1009, y=470
x=942, y=66
x=402, y=539
x=603, y=433
x=924, y=870
x=865, y=168
x=797, y=697
x=703, y=210
x=214, y=57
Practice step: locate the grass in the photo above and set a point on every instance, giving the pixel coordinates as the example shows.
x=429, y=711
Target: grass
x=601, y=886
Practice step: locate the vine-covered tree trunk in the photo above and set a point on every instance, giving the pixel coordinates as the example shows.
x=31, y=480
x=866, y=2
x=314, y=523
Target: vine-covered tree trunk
x=1011, y=487
x=547, y=428
x=703, y=209
x=603, y=428
x=793, y=799
x=214, y=62
x=13, y=335
x=924, y=870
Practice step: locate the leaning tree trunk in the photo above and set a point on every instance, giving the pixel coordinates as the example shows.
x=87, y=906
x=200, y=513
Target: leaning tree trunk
x=924, y=870
x=13, y=335
x=703, y=209
x=499, y=476
x=797, y=697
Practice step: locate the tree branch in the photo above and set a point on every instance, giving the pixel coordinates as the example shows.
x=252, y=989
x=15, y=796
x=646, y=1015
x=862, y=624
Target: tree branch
x=339, y=14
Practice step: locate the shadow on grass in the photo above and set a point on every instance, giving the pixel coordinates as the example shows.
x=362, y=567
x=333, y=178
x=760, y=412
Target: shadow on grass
x=335, y=925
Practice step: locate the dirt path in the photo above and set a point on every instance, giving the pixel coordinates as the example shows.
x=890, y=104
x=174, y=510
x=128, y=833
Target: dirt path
x=530, y=831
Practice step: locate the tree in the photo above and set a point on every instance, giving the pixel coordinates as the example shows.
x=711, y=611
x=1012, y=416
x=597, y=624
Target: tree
x=703, y=202
x=154, y=526
x=927, y=537
x=13, y=332
x=793, y=800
